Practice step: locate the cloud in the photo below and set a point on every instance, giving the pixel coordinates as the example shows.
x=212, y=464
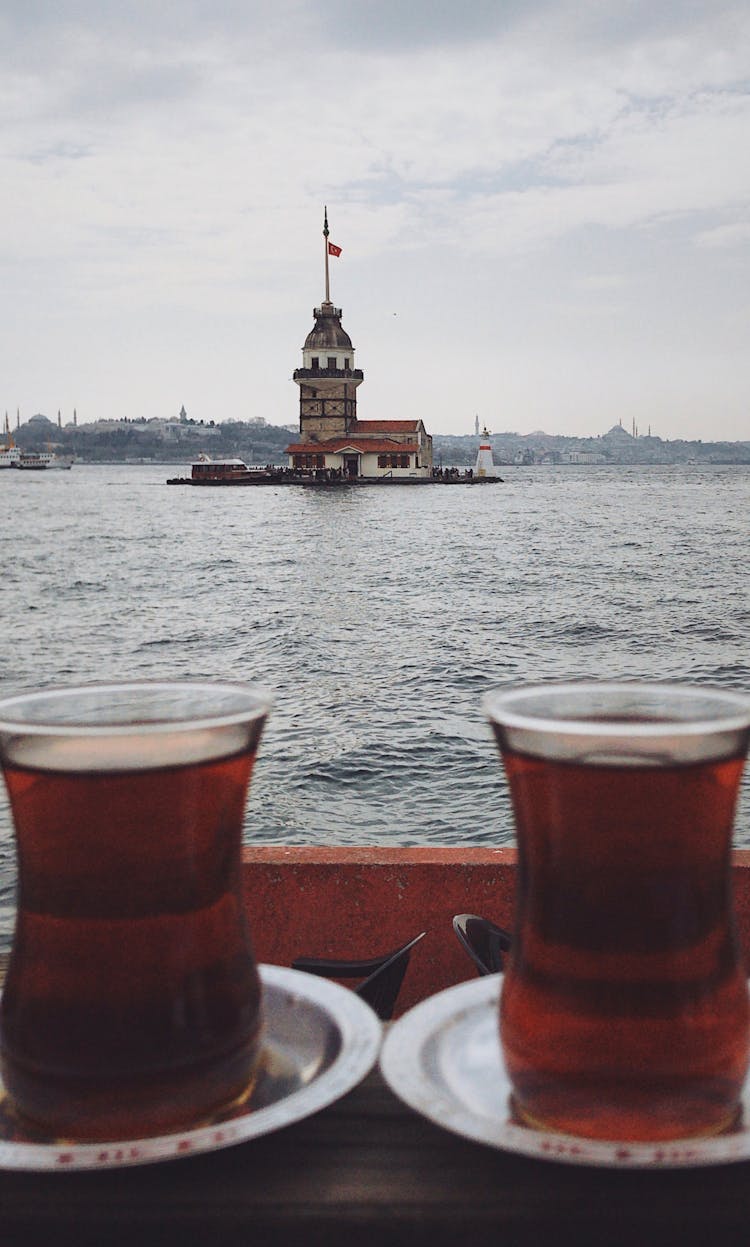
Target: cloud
x=392, y=25
x=543, y=25
x=725, y=236
x=177, y=156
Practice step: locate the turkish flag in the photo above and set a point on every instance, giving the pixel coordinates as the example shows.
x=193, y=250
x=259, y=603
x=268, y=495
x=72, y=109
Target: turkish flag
x=333, y=249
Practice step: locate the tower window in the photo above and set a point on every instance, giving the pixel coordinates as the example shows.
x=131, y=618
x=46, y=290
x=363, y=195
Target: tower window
x=315, y=362
x=331, y=361
x=347, y=363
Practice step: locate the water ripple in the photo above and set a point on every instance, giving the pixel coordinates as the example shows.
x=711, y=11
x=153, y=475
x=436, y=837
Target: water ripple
x=380, y=618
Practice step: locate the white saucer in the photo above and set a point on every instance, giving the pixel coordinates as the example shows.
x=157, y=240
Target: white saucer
x=443, y=1059
x=320, y=1040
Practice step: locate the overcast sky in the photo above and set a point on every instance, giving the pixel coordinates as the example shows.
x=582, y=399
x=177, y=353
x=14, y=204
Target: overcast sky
x=543, y=209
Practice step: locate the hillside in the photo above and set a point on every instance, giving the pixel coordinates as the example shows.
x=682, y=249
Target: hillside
x=181, y=440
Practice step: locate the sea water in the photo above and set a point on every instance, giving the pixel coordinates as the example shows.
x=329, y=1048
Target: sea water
x=378, y=616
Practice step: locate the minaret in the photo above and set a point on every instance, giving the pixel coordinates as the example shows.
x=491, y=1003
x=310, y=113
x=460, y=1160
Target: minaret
x=484, y=465
x=327, y=379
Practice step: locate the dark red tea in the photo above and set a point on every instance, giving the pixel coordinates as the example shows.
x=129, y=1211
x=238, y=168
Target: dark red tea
x=132, y=1000
x=624, y=1011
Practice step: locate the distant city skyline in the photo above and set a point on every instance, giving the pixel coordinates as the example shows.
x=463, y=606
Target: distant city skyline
x=543, y=210
x=634, y=430
x=181, y=432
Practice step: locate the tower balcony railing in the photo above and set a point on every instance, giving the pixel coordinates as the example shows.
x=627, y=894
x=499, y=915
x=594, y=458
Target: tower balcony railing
x=311, y=374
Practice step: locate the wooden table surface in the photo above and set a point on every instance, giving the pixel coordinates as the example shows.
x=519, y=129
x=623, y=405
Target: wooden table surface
x=370, y=1171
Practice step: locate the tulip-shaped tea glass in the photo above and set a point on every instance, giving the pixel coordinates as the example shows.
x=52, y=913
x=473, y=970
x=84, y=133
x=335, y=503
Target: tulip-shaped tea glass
x=132, y=1001
x=624, y=1007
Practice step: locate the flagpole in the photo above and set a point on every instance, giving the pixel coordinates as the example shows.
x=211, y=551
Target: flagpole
x=325, y=244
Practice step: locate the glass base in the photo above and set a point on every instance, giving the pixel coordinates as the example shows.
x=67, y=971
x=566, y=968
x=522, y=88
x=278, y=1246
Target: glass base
x=631, y=1128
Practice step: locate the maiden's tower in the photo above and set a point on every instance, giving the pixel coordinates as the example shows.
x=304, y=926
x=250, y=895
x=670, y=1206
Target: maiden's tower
x=331, y=438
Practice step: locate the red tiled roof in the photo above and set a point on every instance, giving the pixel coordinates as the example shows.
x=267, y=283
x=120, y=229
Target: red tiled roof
x=368, y=445
x=384, y=426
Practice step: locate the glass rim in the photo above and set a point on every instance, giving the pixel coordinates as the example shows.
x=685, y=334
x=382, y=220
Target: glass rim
x=259, y=702
x=735, y=718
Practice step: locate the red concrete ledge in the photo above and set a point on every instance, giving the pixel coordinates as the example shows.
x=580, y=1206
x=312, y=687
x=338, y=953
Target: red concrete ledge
x=357, y=902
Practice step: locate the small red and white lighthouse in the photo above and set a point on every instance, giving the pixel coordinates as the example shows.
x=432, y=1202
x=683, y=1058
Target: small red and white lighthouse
x=484, y=465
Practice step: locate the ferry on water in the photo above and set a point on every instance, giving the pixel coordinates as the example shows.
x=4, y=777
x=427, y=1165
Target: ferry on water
x=9, y=456
x=208, y=471
x=35, y=461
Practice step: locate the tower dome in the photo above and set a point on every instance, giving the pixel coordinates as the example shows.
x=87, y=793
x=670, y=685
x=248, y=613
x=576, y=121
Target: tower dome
x=327, y=333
